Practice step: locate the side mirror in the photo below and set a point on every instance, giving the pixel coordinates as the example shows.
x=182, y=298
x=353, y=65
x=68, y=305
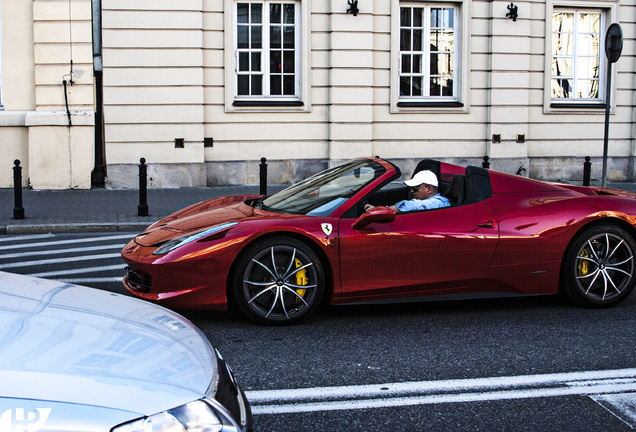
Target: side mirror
x=378, y=214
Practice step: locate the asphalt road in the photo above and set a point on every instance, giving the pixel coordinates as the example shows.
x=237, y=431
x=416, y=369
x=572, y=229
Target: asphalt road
x=534, y=363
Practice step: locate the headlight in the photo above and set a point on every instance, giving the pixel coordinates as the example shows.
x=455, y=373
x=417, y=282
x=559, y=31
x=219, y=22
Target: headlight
x=178, y=242
x=197, y=416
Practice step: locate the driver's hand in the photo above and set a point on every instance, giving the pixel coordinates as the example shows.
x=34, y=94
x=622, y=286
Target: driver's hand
x=368, y=207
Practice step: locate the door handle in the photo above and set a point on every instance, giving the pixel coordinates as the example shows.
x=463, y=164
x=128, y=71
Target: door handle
x=487, y=224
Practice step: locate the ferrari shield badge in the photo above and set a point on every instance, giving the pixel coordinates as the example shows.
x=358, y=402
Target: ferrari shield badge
x=326, y=228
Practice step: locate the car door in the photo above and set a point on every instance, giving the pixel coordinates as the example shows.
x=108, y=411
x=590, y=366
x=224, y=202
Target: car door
x=437, y=251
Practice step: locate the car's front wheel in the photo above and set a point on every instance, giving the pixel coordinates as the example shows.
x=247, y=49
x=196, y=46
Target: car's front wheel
x=598, y=267
x=279, y=281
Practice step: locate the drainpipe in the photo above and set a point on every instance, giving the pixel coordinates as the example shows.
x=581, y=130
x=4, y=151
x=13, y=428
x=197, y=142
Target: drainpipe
x=98, y=175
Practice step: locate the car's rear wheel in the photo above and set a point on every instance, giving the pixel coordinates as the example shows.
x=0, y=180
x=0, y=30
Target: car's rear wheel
x=598, y=267
x=279, y=281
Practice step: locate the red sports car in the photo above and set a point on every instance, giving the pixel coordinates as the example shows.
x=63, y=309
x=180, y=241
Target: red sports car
x=278, y=257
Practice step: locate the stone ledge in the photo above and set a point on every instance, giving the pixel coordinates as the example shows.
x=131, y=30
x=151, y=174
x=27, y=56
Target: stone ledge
x=59, y=118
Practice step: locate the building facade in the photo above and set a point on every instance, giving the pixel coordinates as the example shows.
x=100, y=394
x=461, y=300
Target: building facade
x=202, y=89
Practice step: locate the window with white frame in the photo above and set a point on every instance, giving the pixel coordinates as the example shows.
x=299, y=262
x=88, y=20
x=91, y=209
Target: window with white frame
x=267, y=51
x=428, y=53
x=577, y=60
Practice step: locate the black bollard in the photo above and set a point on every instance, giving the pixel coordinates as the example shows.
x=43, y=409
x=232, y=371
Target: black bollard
x=485, y=163
x=142, y=208
x=263, y=176
x=18, y=210
x=587, y=171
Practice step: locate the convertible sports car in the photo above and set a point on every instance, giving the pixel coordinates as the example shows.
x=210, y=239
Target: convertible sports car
x=278, y=257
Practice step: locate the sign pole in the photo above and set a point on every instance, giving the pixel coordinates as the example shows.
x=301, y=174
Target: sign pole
x=613, y=49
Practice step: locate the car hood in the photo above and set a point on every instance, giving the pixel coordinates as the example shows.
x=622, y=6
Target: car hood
x=62, y=344
x=200, y=216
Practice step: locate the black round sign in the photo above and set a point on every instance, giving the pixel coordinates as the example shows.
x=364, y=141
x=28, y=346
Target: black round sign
x=614, y=42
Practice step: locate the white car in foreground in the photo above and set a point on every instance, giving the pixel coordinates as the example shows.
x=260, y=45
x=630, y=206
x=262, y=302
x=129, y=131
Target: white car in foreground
x=79, y=359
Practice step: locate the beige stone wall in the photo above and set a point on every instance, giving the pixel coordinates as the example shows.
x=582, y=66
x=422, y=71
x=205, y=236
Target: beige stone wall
x=168, y=77
x=168, y=73
x=40, y=40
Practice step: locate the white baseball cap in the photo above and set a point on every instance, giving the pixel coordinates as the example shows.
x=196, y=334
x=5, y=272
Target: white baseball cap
x=422, y=177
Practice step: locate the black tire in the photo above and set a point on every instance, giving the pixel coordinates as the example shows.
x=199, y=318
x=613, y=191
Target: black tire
x=598, y=269
x=281, y=293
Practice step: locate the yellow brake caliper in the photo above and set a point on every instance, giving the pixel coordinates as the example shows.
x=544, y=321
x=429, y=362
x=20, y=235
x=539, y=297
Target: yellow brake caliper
x=301, y=279
x=583, y=267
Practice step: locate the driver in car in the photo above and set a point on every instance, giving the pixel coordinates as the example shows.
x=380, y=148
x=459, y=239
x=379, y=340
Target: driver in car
x=425, y=195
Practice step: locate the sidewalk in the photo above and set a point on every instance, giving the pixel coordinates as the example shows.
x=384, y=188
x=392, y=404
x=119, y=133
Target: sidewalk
x=108, y=210
x=101, y=210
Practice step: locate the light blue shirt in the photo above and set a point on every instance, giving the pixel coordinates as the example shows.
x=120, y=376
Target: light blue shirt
x=436, y=201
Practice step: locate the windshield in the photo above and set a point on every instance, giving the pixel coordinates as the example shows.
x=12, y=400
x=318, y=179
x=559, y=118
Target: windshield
x=322, y=193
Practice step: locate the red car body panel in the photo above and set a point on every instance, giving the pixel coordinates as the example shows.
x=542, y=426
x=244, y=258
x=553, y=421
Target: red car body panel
x=417, y=253
x=512, y=242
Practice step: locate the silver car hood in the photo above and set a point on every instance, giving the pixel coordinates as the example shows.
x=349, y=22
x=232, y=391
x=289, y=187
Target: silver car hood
x=62, y=345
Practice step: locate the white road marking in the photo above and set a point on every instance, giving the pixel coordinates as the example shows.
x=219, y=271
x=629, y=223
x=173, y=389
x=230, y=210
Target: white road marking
x=78, y=270
x=91, y=280
x=59, y=260
x=60, y=242
x=24, y=237
x=622, y=406
x=446, y=391
x=61, y=251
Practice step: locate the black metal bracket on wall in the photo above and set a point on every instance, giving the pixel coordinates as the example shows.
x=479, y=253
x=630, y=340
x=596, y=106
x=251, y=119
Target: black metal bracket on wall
x=353, y=7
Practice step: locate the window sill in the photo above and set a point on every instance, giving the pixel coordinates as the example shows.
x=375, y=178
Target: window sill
x=263, y=103
x=432, y=104
x=599, y=105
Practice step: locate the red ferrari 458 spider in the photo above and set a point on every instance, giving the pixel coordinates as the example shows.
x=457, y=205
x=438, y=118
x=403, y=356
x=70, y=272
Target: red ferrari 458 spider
x=278, y=257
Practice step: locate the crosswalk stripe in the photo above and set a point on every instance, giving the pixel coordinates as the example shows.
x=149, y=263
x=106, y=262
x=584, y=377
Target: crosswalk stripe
x=59, y=260
x=63, y=242
x=79, y=270
x=60, y=251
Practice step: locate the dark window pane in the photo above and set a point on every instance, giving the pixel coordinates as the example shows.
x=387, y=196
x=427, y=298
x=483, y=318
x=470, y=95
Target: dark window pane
x=405, y=40
x=417, y=86
x=405, y=86
x=244, y=61
x=257, y=85
x=406, y=63
x=288, y=62
x=417, y=64
x=288, y=85
x=275, y=86
x=242, y=37
x=289, y=17
x=256, y=37
x=418, y=14
x=274, y=37
x=256, y=62
x=434, y=64
x=275, y=62
x=447, y=88
x=274, y=13
x=417, y=40
x=561, y=88
x=242, y=14
x=289, y=33
x=257, y=13
x=243, y=85
x=435, y=87
x=405, y=17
